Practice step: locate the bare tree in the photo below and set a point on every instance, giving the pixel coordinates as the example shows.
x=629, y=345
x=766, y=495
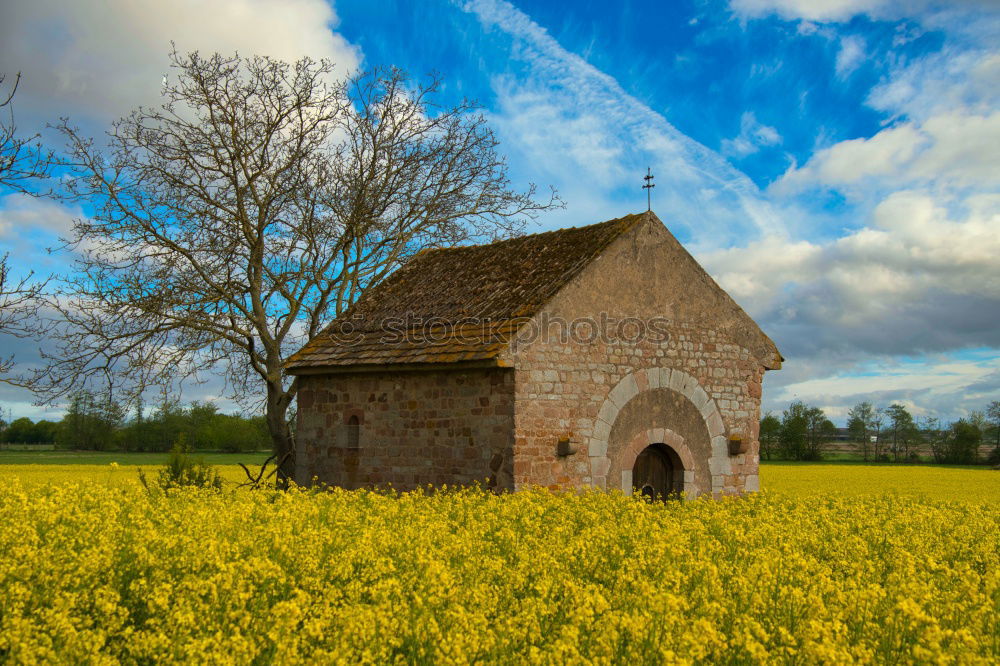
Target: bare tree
x=21, y=161
x=258, y=202
x=859, y=420
x=993, y=415
x=19, y=305
x=876, y=423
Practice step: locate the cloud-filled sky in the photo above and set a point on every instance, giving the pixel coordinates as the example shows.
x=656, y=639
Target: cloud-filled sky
x=835, y=164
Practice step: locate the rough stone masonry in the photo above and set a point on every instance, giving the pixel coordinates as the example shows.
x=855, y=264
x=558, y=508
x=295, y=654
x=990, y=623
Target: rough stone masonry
x=592, y=356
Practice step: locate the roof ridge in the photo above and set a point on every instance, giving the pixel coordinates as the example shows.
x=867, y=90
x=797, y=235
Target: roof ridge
x=626, y=222
x=503, y=281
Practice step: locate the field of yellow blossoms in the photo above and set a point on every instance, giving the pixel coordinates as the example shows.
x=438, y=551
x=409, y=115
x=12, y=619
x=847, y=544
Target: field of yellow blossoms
x=102, y=572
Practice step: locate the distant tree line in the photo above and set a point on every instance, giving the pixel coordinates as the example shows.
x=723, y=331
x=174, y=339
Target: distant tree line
x=92, y=423
x=881, y=434
x=801, y=434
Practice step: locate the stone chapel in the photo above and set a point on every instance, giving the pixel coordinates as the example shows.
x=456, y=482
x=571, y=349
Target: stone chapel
x=599, y=356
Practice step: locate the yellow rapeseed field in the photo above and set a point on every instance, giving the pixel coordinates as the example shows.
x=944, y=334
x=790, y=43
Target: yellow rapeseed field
x=805, y=480
x=101, y=572
x=109, y=475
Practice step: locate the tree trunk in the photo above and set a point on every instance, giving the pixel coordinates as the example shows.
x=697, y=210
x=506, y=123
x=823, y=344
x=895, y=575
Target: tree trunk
x=282, y=442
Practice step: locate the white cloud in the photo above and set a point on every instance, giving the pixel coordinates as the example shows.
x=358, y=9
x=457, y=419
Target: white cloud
x=915, y=271
x=567, y=122
x=32, y=227
x=964, y=150
x=916, y=278
x=96, y=61
x=836, y=11
x=29, y=227
x=947, y=386
x=810, y=10
x=943, y=82
x=919, y=278
x=910, y=275
x=850, y=55
x=855, y=160
x=20, y=214
x=954, y=149
x=753, y=135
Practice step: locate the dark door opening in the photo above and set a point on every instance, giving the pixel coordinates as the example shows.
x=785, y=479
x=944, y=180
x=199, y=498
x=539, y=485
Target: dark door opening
x=654, y=474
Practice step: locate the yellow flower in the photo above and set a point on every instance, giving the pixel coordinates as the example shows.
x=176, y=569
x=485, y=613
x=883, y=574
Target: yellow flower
x=98, y=570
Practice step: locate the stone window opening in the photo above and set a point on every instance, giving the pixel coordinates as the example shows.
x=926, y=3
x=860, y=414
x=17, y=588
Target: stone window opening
x=353, y=432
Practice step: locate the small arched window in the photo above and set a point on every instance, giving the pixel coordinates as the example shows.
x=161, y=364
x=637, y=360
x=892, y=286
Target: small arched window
x=353, y=432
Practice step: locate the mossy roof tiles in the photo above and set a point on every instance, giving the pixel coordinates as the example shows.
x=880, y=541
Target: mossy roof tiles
x=478, y=296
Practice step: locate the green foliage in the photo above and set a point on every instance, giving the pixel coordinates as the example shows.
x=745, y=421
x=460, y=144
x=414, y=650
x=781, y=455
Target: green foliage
x=770, y=435
x=90, y=424
x=24, y=431
x=20, y=430
x=93, y=424
x=932, y=435
x=962, y=443
x=903, y=430
x=160, y=430
x=46, y=432
x=993, y=428
x=182, y=470
x=793, y=431
x=202, y=426
x=233, y=434
x=859, y=423
x=805, y=430
x=958, y=444
x=875, y=425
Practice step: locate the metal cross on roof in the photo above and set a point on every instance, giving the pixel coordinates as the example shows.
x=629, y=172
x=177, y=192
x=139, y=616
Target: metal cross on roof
x=649, y=188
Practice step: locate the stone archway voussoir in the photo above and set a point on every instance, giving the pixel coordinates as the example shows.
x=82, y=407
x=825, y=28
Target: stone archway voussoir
x=623, y=391
x=642, y=380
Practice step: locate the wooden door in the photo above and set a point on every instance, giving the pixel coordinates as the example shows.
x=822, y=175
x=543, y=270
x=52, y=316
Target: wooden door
x=653, y=475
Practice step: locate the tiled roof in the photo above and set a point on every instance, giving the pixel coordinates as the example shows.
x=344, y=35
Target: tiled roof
x=479, y=294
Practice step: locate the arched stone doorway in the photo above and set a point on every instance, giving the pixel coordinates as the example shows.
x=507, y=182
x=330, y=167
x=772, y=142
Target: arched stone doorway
x=658, y=473
x=702, y=446
x=661, y=460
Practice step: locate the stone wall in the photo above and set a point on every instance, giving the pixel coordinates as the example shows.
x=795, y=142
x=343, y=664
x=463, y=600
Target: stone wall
x=702, y=391
x=696, y=386
x=414, y=428
x=662, y=410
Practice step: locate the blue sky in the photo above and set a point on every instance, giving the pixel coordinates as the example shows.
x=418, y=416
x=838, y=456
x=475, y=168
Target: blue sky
x=833, y=163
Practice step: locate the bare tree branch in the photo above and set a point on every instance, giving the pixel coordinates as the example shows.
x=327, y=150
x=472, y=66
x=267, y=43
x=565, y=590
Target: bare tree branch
x=255, y=204
x=22, y=158
x=22, y=161
x=19, y=305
